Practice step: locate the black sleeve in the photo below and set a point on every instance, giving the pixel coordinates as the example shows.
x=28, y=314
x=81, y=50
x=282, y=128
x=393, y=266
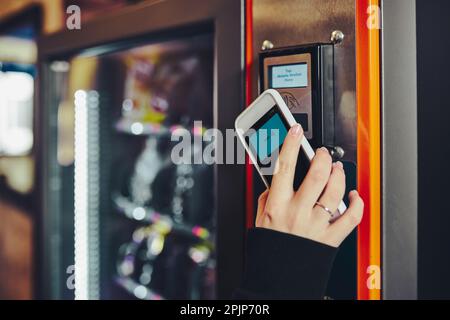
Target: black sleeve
x=284, y=266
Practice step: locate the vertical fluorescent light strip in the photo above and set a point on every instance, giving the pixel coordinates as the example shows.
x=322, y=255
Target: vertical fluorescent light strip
x=86, y=197
x=81, y=197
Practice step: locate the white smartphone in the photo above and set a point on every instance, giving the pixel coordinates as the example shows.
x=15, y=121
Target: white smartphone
x=262, y=128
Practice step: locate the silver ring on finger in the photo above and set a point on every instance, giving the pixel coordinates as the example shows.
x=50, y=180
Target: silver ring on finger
x=333, y=215
x=327, y=210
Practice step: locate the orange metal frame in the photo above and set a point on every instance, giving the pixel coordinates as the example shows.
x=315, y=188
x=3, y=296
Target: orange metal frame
x=368, y=93
x=368, y=97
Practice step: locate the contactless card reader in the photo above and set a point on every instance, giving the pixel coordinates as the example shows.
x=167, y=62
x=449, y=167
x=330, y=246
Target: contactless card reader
x=304, y=76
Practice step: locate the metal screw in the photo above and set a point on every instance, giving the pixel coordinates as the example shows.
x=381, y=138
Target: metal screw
x=267, y=45
x=337, y=152
x=337, y=37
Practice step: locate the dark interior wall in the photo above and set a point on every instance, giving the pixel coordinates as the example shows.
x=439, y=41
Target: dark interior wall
x=433, y=71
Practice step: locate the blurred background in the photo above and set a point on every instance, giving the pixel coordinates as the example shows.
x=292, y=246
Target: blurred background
x=135, y=137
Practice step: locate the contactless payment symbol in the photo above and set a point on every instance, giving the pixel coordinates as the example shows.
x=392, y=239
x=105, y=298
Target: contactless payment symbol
x=290, y=100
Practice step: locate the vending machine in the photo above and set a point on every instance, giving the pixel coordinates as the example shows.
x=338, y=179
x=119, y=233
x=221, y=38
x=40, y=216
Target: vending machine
x=120, y=218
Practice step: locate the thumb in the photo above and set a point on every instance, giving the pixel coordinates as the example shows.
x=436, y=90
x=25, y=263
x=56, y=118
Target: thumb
x=342, y=227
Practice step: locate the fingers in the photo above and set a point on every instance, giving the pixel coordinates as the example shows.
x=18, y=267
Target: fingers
x=335, y=188
x=342, y=227
x=283, y=179
x=261, y=206
x=316, y=179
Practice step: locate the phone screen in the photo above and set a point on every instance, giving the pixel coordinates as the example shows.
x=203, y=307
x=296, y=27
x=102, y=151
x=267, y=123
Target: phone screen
x=265, y=141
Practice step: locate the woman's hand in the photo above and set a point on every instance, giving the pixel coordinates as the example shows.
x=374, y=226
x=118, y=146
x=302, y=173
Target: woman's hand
x=283, y=209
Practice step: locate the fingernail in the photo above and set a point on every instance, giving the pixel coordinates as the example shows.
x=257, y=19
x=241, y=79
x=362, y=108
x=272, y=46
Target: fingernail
x=295, y=130
x=324, y=149
x=353, y=193
x=339, y=164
